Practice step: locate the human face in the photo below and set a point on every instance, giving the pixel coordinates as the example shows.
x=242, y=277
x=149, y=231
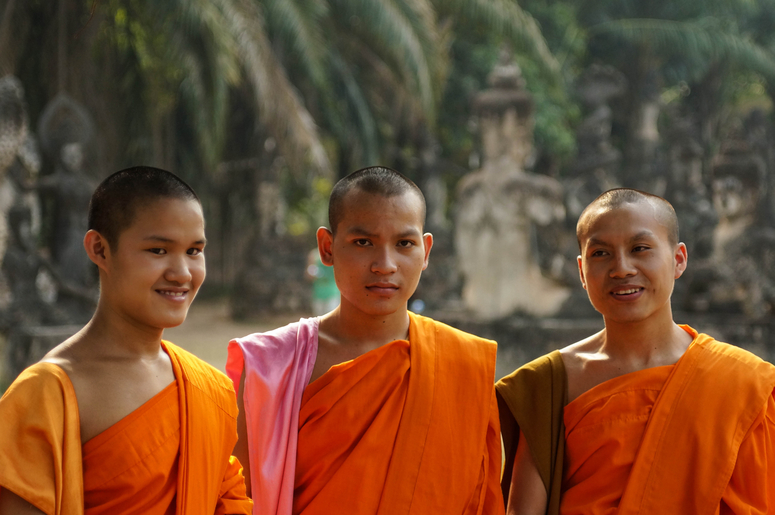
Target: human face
x=379, y=251
x=158, y=265
x=628, y=265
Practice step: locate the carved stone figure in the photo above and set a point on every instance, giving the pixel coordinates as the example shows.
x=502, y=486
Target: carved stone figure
x=502, y=209
x=597, y=162
x=13, y=134
x=743, y=258
x=66, y=133
x=22, y=266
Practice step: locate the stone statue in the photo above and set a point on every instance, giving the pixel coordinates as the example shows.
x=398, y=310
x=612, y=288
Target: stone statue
x=597, y=163
x=66, y=133
x=13, y=135
x=22, y=267
x=742, y=263
x=502, y=209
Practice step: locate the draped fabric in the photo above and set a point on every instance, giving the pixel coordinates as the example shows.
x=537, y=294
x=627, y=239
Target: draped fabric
x=409, y=428
x=695, y=437
x=44, y=462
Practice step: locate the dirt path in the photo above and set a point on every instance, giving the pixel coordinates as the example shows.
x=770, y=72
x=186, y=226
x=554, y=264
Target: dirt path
x=208, y=329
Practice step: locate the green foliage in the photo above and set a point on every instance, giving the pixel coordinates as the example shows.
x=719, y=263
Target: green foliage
x=555, y=115
x=308, y=207
x=701, y=42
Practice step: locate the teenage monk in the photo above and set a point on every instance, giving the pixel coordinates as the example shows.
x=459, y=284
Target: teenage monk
x=645, y=416
x=115, y=420
x=370, y=409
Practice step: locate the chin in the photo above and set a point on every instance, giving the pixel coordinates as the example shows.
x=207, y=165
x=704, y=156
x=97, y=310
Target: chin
x=168, y=322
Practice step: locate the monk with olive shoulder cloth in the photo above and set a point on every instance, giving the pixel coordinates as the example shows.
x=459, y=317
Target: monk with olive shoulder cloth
x=646, y=416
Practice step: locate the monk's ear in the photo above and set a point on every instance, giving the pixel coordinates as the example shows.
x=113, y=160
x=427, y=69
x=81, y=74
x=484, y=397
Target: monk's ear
x=96, y=248
x=427, y=241
x=581, y=272
x=325, y=246
x=681, y=260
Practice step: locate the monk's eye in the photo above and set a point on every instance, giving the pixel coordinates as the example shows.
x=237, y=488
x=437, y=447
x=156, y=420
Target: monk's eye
x=158, y=251
x=598, y=253
x=362, y=242
x=640, y=248
x=406, y=244
x=194, y=251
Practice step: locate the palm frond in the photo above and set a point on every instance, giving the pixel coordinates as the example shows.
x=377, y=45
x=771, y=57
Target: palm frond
x=507, y=18
x=279, y=106
x=359, y=106
x=300, y=25
x=394, y=34
x=695, y=40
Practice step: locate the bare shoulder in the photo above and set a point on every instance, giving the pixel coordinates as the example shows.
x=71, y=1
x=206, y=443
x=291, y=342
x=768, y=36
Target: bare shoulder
x=576, y=355
x=580, y=360
x=66, y=355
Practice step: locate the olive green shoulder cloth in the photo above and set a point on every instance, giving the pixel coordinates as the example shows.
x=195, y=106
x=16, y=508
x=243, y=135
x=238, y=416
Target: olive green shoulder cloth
x=532, y=399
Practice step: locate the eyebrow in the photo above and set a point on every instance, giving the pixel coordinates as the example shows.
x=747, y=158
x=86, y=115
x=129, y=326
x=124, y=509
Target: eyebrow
x=162, y=239
x=359, y=231
x=640, y=235
x=643, y=234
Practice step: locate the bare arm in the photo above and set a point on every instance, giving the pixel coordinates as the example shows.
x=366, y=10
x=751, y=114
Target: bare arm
x=241, y=448
x=12, y=504
x=527, y=493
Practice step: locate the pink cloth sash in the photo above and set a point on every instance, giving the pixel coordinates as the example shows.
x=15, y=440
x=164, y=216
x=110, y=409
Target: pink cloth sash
x=278, y=366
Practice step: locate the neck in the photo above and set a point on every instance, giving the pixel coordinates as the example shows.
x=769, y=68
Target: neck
x=349, y=325
x=110, y=333
x=650, y=342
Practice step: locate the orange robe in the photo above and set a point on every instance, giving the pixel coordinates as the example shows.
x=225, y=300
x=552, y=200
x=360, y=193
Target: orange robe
x=697, y=437
x=408, y=428
x=133, y=466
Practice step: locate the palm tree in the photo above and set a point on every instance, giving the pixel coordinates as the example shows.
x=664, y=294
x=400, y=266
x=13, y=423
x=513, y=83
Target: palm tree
x=356, y=70
x=659, y=44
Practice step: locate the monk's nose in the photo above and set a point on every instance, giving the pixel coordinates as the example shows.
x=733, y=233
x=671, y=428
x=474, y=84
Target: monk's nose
x=622, y=266
x=178, y=271
x=384, y=263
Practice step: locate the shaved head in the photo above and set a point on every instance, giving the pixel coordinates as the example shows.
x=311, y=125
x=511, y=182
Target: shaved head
x=617, y=198
x=117, y=199
x=377, y=180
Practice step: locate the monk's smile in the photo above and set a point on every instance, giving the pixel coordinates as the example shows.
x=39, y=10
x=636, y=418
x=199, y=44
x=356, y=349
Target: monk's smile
x=173, y=294
x=627, y=292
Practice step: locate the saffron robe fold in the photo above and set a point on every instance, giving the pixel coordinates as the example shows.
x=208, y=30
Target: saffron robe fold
x=695, y=437
x=41, y=452
x=142, y=476
x=434, y=429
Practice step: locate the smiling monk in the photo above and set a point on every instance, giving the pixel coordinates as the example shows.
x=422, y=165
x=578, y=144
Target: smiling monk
x=646, y=416
x=114, y=420
x=370, y=409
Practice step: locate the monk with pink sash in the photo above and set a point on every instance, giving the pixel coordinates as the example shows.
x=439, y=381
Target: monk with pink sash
x=369, y=409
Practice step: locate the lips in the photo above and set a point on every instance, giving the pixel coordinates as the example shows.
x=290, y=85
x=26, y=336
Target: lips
x=625, y=292
x=382, y=288
x=173, y=294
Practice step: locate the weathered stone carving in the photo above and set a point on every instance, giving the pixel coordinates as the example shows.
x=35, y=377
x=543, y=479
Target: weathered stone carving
x=597, y=162
x=502, y=209
x=66, y=131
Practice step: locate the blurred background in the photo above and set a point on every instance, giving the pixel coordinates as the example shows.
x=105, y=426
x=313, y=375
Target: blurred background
x=511, y=117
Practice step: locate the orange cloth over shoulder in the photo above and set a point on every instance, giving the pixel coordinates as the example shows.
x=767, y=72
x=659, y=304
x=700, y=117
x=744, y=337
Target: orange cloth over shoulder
x=44, y=462
x=695, y=437
x=411, y=427
x=132, y=467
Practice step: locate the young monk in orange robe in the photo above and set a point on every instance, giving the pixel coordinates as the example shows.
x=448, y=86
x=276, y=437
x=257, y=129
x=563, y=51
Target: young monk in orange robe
x=370, y=409
x=115, y=420
x=645, y=416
